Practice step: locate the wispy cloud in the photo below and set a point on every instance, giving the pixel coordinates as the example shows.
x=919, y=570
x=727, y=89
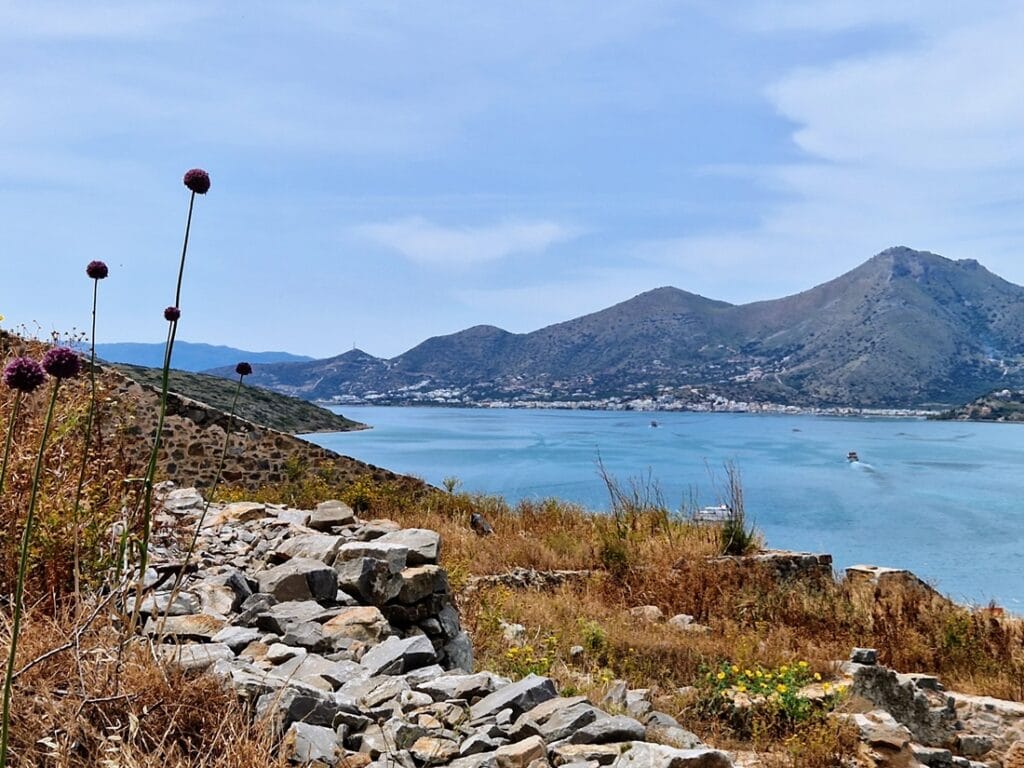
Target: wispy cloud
x=425, y=242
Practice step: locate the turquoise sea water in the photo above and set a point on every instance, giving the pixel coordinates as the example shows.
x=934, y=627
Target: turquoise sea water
x=944, y=499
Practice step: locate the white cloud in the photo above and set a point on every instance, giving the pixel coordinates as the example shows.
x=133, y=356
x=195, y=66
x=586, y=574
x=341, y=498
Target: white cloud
x=425, y=242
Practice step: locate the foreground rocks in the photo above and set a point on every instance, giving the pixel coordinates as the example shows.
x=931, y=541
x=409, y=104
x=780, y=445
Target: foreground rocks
x=343, y=634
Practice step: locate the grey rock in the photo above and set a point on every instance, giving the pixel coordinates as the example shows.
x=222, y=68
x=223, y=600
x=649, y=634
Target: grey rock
x=364, y=623
x=394, y=656
x=279, y=652
x=973, y=744
x=461, y=686
x=449, y=620
x=458, y=653
x=479, y=760
x=650, y=613
x=236, y=638
x=616, y=696
x=331, y=514
x=374, y=529
x=305, y=743
x=566, y=721
x=600, y=754
x=306, y=634
x=864, y=656
x=421, y=581
x=672, y=736
x=513, y=633
x=252, y=607
x=643, y=755
x=402, y=733
x=310, y=546
x=416, y=677
x=281, y=617
x=299, y=579
x=394, y=555
x=183, y=500
x=160, y=604
x=523, y=728
x=369, y=579
x=423, y=545
x=479, y=743
x=933, y=757
x=298, y=702
x=518, y=697
x=608, y=730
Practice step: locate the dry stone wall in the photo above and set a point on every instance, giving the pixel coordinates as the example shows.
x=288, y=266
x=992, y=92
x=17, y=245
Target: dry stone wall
x=193, y=439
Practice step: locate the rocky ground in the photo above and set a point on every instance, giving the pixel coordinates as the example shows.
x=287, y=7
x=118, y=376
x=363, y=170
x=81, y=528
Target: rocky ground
x=345, y=635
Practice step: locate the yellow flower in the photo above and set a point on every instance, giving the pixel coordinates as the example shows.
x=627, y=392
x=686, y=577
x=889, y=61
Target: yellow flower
x=817, y=676
x=747, y=673
x=780, y=688
x=720, y=675
x=759, y=674
x=826, y=687
x=741, y=688
x=735, y=669
x=783, y=669
x=513, y=651
x=803, y=664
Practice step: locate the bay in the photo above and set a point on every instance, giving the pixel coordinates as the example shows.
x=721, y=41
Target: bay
x=943, y=499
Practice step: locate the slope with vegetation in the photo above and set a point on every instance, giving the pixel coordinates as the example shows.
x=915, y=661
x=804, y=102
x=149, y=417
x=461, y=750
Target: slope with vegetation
x=270, y=409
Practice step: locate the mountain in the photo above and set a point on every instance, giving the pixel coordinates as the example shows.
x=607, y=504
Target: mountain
x=188, y=356
x=1000, y=405
x=905, y=329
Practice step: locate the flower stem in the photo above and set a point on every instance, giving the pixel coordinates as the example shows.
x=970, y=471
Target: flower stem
x=19, y=590
x=147, y=510
x=87, y=442
x=10, y=435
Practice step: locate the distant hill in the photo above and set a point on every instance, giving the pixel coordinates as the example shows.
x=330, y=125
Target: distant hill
x=268, y=409
x=905, y=329
x=188, y=356
x=1001, y=405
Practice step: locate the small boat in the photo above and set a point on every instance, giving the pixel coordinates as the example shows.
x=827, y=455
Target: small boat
x=719, y=513
x=654, y=423
x=852, y=456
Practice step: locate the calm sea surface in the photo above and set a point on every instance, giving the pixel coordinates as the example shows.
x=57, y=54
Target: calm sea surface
x=944, y=499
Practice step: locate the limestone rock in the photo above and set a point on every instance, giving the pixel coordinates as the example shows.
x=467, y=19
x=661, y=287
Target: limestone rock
x=331, y=514
x=299, y=579
x=394, y=656
x=421, y=581
x=518, y=697
x=643, y=755
x=424, y=546
x=196, y=657
x=310, y=546
x=433, y=751
x=364, y=623
x=305, y=743
x=369, y=579
x=521, y=753
x=608, y=730
x=395, y=555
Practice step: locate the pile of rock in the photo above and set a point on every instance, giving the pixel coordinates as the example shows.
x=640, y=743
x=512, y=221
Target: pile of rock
x=343, y=633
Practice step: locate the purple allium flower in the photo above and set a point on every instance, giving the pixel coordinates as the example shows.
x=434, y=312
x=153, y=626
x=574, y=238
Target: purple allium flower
x=197, y=180
x=24, y=374
x=243, y=369
x=62, y=363
x=171, y=314
x=97, y=270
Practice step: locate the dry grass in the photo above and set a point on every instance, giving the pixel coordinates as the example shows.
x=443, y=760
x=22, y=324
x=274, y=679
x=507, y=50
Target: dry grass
x=88, y=707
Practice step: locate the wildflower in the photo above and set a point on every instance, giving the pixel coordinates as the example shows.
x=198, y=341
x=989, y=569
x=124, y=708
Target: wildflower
x=243, y=369
x=817, y=676
x=721, y=675
x=97, y=270
x=197, y=180
x=826, y=687
x=783, y=669
x=735, y=669
x=780, y=688
x=62, y=363
x=759, y=674
x=24, y=374
x=747, y=673
x=803, y=665
x=741, y=688
x=171, y=314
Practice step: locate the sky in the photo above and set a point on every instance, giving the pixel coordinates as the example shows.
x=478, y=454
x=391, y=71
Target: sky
x=383, y=172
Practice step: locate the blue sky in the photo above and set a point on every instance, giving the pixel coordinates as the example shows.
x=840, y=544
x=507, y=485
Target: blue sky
x=384, y=172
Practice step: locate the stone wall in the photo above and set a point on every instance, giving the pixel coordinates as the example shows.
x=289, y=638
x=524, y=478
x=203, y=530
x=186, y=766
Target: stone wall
x=193, y=439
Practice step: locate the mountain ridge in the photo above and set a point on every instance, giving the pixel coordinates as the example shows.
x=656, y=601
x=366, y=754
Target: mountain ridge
x=905, y=328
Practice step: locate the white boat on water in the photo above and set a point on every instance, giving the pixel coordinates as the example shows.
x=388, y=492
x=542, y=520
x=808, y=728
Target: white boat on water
x=718, y=513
